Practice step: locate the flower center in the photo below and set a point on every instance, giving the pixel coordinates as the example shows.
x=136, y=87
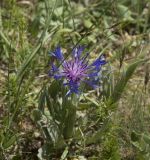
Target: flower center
x=74, y=70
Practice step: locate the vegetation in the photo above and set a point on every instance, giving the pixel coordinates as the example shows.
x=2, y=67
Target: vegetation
x=37, y=120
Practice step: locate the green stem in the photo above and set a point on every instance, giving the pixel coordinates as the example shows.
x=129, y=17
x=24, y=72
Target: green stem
x=70, y=117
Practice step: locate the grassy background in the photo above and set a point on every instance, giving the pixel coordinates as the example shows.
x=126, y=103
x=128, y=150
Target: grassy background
x=113, y=123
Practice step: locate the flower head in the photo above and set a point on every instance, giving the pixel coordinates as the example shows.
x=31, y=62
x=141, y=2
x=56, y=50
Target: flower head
x=76, y=70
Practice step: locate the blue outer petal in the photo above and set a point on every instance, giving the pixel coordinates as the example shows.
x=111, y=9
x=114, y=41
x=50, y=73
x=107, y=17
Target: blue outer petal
x=99, y=61
x=93, y=83
x=57, y=76
x=52, y=70
x=74, y=87
x=94, y=74
x=58, y=53
x=77, y=51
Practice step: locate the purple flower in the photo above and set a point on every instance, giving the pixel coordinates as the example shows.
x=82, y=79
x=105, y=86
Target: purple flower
x=76, y=70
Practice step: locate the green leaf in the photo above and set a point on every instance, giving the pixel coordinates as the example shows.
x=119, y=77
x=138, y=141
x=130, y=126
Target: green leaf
x=135, y=136
x=125, y=12
x=83, y=106
x=28, y=60
x=40, y=151
x=87, y=23
x=49, y=105
x=8, y=142
x=137, y=145
x=54, y=89
x=5, y=39
x=58, y=11
x=93, y=101
x=125, y=76
x=16, y=157
x=146, y=138
x=41, y=104
x=97, y=137
x=64, y=155
x=36, y=115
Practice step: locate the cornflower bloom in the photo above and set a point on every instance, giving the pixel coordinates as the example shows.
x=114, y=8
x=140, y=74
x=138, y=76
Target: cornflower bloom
x=76, y=70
